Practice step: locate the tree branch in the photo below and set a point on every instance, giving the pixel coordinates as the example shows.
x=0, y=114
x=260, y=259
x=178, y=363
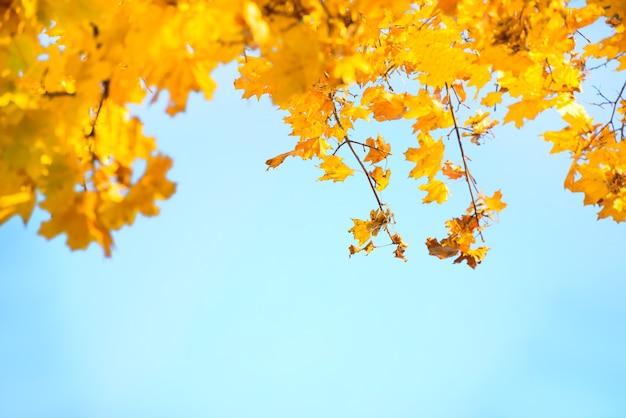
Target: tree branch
x=347, y=140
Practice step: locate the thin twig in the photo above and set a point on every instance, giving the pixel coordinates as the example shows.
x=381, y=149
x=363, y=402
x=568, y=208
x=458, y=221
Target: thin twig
x=105, y=95
x=52, y=94
x=619, y=96
x=359, y=143
x=467, y=172
x=369, y=178
x=584, y=37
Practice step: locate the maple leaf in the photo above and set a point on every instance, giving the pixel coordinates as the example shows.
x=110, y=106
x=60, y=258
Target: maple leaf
x=361, y=231
x=452, y=171
x=312, y=147
x=355, y=112
x=347, y=68
x=296, y=64
x=21, y=203
x=79, y=221
x=153, y=185
x=472, y=257
x=437, y=191
x=495, y=202
x=378, y=150
x=401, y=247
x=427, y=157
x=369, y=247
x=438, y=250
x=278, y=160
x=576, y=116
x=250, y=80
x=384, y=105
x=492, y=99
x=334, y=168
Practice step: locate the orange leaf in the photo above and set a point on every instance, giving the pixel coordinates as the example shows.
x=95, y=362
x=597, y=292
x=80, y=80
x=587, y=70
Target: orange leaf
x=378, y=149
x=448, y=6
x=452, y=171
x=278, y=160
x=438, y=250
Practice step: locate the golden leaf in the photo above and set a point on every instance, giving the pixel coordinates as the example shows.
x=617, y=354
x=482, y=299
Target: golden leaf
x=20, y=203
x=381, y=178
x=378, y=149
x=334, y=168
x=437, y=191
x=495, y=202
x=312, y=147
x=427, y=157
x=77, y=218
x=384, y=105
x=360, y=230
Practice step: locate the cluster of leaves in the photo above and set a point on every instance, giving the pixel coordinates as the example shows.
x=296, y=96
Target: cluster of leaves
x=71, y=69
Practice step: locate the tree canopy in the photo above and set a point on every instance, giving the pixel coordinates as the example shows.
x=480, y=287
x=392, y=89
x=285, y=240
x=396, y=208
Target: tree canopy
x=452, y=68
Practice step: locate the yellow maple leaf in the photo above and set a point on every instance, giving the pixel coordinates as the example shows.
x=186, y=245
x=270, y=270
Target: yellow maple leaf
x=369, y=247
x=347, y=68
x=576, y=116
x=250, y=80
x=297, y=64
x=567, y=139
x=492, y=99
x=334, y=168
x=77, y=218
x=378, y=149
x=21, y=203
x=437, y=191
x=312, y=147
x=384, y=105
x=495, y=202
x=153, y=185
x=361, y=231
x=427, y=157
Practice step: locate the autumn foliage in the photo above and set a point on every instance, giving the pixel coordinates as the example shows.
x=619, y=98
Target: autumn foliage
x=70, y=69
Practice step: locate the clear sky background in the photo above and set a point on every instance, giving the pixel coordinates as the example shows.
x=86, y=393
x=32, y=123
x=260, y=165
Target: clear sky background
x=240, y=301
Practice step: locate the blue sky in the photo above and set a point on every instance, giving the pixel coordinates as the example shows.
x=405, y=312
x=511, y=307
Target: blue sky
x=239, y=299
